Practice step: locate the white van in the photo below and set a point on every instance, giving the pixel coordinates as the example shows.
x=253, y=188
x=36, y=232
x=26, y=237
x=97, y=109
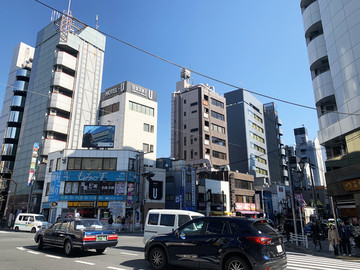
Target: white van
x=30, y=222
x=160, y=221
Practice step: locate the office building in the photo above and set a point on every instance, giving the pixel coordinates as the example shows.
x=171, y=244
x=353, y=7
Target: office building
x=275, y=145
x=11, y=118
x=198, y=124
x=246, y=132
x=332, y=33
x=63, y=97
x=132, y=109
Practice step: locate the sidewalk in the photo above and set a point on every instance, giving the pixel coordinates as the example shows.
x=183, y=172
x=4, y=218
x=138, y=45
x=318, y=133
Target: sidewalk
x=355, y=251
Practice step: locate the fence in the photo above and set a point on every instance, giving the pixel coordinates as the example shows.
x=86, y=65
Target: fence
x=298, y=238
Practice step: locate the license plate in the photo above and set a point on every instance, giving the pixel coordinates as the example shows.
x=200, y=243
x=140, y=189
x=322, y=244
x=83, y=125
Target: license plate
x=279, y=248
x=101, y=238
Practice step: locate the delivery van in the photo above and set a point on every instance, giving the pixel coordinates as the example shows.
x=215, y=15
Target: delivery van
x=160, y=221
x=30, y=222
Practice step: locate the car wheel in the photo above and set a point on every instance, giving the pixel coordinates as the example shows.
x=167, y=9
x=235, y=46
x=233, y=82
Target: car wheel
x=33, y=230
x=40, y=243
x=68, y=248
x=100, y=250
x=16, y=229
x=237, y=263
x=158, y=259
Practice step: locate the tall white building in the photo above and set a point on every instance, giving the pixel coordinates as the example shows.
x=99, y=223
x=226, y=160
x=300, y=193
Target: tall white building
x=11, y=117
x=132, y=109
x=64, y=94
x=332, y=33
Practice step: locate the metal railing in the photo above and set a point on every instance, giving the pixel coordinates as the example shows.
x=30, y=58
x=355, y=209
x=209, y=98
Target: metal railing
x=298, y=238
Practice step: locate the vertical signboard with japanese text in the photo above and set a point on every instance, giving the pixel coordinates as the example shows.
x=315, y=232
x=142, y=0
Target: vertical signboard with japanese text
x=34, y=156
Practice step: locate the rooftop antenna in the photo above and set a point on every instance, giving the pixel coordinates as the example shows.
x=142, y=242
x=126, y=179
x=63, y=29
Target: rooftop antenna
x=97, y=21
x=68, y=11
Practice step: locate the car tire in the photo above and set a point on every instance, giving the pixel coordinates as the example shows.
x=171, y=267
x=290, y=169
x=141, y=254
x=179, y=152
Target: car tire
x=40, y=243
x=236, y=263
x=16, y=229
x=100, y=250
x=33, y=230
x=68, y=248
x=158, y=258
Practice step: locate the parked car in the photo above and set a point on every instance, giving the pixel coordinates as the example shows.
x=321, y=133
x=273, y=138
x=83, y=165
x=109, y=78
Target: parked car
x=219, y=243
x=160, y=221
x=30, y=222
x=82, y=233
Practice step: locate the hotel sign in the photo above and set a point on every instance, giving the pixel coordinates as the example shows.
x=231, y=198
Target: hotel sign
x=129, y=87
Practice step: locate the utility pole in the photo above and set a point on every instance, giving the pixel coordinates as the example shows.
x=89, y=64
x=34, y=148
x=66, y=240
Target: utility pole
x=292, y=196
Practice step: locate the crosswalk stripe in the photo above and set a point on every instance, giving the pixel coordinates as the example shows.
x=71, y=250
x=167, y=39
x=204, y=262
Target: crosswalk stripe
x=300, y=261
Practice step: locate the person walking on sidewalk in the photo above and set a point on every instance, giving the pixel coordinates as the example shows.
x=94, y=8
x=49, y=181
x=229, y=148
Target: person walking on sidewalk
x=344, y=234
x=334, y=240
x=315, y=232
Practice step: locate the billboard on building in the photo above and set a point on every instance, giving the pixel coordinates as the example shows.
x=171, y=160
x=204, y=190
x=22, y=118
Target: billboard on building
x=98, y=136
x=33, y=164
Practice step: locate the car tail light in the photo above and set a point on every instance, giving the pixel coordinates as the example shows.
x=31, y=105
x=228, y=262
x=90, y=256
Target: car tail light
x=89, y=237
x=260, y=240
x=112, y=237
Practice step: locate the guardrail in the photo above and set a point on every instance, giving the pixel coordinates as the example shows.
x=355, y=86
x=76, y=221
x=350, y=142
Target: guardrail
x=298, y=238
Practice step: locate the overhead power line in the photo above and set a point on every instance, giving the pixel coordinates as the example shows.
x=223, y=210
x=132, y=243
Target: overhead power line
x=180, y=66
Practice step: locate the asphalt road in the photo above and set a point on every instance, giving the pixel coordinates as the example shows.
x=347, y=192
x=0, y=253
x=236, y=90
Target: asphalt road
x=19, y=251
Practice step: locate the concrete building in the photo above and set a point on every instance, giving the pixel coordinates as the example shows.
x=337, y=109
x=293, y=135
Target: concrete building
x=198, y=124
x=64, y=95
x=132, y=109
x=246, y=132
x=98, y=182
x=332, y=33
x=275, y=146
x=312, y=152
x=11, y=117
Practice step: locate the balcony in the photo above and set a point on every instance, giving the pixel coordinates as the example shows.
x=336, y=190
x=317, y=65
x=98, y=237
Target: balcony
x=63, y=80
x=51, y=145
x=66, y=60
x=57, y=124
x=311, y=15
x=23, y=73
x=323, y=86
x=281, y=132
x=316, y=49
x=60, y=101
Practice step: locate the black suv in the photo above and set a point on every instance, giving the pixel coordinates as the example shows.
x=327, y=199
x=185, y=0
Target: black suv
x=226, y=243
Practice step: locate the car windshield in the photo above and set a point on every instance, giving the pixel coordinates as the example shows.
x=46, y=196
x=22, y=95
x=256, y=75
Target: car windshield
x=40, y=218
x=88, y=224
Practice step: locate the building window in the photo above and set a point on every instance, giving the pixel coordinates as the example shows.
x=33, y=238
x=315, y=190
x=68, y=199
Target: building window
x=109, y=109
x=194, y=129
x=132, y=164
x=195, y=111
x=51, y=165
x=257, y=137
x=217, y=103
x=185, y=141
x=218, y=128
x=184, y=113
x=141, y=108
x=218, y=115
x=193, y=104
x=184, y=126
x=184, y=154
x=255, y=126
x=71, y=188
x=47, y=192
x=258, y=148
x=219, y=154
x=92, y=164
x=218, y=141
x=58, y=164
x=243, y=184
x=146, y=147
x=184, y=101
x=192, y=153
x=261, y=171
x=256, y=117
x=109, y=164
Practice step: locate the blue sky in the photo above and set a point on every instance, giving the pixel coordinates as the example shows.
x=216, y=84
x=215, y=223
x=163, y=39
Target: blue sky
x=255, y=44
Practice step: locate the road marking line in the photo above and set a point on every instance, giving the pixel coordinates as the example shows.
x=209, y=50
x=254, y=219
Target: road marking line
x=89, y=263
x=131, y=254
x=33, y=252
x=115, y=268
x=21, y=248
x=4, y=232
x=53, y=256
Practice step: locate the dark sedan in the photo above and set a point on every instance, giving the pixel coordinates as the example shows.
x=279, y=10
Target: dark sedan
x=77, y=233
x=226, y=243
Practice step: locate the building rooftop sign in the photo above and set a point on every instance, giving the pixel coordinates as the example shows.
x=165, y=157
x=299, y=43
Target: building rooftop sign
x=130, y=88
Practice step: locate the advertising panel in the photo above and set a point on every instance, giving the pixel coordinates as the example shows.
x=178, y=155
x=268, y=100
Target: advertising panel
x=34, y=157
x=98, y=136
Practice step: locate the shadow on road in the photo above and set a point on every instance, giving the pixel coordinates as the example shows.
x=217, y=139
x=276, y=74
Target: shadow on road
x=57, y=251
x=130, y=248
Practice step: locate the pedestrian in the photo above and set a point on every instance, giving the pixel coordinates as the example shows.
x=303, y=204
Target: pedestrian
x=344, y=234
x=287, y=229
x=123, y=224
x=110, y=221
x=334, y=239
x=315, y=231
x=59, y=216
